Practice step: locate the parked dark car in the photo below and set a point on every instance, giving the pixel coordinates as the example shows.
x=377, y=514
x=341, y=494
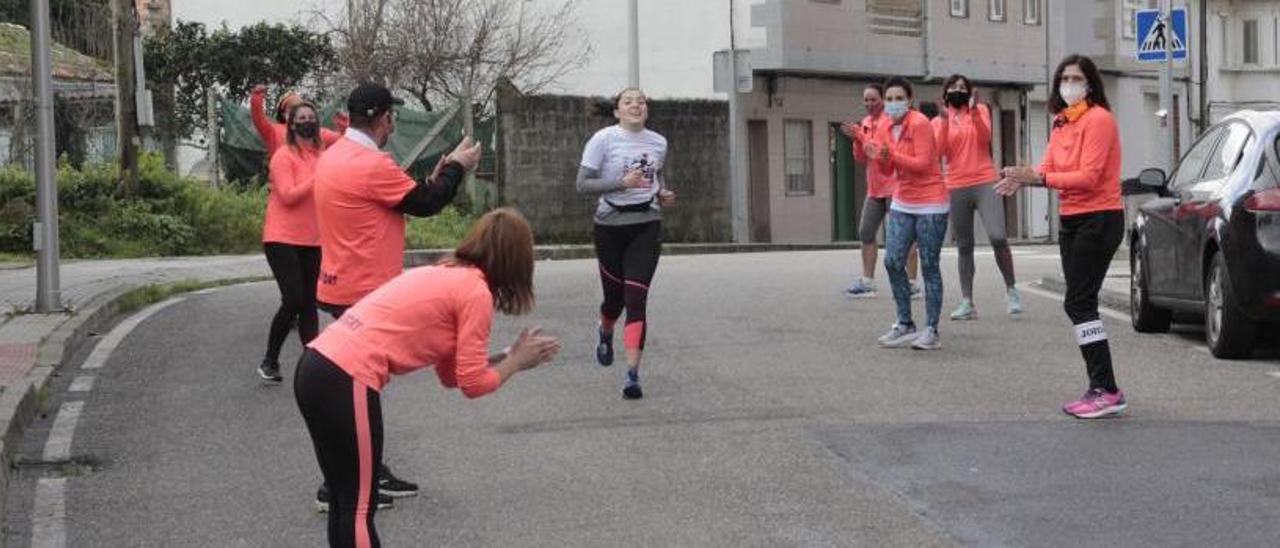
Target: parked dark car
x=1209, y=243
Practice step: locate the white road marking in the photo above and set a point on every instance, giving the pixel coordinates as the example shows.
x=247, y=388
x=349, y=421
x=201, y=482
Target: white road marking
x=1117, y=315
x=49, y=517
x=58, y=447
x=83, y=383
x=206, y=291
x=102, y=351
x=1113, y=314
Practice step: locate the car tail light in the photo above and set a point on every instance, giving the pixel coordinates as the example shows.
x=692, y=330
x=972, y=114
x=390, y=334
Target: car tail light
x=1264, y=200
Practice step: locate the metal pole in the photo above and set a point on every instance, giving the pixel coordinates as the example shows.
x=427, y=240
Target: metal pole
x=738, y=187
x=45, y=235
x=1204, y=66
x=633, y=43
x=1167, y=124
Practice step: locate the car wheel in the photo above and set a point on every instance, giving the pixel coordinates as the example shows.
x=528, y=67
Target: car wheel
x=1146, y=317
x=1229, y=333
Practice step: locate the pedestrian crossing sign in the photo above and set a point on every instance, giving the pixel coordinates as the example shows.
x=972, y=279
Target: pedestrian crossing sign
x=1155, y=34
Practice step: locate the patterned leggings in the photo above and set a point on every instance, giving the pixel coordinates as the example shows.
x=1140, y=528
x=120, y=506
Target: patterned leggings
x=927, y=231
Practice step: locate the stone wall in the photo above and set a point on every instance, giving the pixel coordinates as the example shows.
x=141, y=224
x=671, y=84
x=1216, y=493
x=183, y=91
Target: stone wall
x=540, y=141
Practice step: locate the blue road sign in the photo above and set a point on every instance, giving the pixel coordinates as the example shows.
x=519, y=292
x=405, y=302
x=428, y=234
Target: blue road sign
x=1154, y=36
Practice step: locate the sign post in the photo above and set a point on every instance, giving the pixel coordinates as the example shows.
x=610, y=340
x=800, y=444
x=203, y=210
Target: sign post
x=1162, y=38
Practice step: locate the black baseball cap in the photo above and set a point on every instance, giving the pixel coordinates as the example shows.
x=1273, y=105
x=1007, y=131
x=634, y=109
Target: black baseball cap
x=370, y=99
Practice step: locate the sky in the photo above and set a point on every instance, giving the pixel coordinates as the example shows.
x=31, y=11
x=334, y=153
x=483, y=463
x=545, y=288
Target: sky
x=677, y=37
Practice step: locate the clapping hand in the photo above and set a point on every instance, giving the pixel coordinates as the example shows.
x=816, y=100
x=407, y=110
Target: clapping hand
x=532, y=348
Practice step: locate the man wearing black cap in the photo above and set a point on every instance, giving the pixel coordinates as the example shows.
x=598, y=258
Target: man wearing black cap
x=361, y=198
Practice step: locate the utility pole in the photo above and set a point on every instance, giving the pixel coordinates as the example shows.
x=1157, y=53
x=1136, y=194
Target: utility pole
x=1204, y=67
x=633, y=43
x=124, y=24
x=739, y=202
x=45, y=233
x=1168, y=122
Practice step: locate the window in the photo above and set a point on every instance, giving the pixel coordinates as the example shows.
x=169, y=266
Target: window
x=1225, y=159
x=959, y=8
x=1031, y=12
x=797, y=139
x=1128, y=21
x=1192, y=165
x=1250, y=42
x=995, y=10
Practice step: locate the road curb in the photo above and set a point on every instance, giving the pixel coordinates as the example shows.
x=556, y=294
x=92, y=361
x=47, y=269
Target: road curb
x=20, y=403
x=1108, y=298
x=419, y=257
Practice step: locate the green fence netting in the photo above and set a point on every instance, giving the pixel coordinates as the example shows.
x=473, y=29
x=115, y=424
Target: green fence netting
x=244, y=156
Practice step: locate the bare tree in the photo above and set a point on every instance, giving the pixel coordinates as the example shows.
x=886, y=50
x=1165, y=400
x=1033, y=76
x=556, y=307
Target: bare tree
x=445, y=50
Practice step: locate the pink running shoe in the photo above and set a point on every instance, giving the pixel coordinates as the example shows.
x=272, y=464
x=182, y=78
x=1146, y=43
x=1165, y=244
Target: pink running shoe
x=1096, y=404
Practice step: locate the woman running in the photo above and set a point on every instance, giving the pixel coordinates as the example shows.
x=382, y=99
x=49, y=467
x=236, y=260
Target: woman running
x=291, y=235
x=917, y=214
x=964, y=141
x=623, y=164
x=1082, y=163
x=272, y=132
x=438, y=315
x=880, y=186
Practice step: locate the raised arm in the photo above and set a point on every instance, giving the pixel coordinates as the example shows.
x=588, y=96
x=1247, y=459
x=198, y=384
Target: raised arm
x=262, y=122
x=982, y=124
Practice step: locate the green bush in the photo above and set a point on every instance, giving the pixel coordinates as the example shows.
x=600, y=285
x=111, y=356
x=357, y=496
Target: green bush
x=443, y=230
x=166, y=214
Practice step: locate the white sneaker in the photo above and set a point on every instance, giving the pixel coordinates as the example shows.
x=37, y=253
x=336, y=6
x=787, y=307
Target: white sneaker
x=898, y=336
x=928, y=340
x=862, y=288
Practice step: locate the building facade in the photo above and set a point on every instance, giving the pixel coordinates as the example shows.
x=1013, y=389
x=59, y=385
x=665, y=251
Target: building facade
x=802, y=184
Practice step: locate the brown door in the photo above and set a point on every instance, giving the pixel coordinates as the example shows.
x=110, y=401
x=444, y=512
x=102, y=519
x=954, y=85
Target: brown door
x=758, y=194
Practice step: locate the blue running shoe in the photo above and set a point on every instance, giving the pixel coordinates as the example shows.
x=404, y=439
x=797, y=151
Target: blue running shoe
x=604, y=348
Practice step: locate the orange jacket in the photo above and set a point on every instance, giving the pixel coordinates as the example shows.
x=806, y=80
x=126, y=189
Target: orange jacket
x=274, y=133
x=433, y=316
x=966, y=145
x=1083, y=162
x=913, y=161
x=291, y=208
x=880, y=182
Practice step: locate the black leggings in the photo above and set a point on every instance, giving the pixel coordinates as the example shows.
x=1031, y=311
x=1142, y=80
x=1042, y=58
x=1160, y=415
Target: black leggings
x=344, y=418
x=296, y=268
x=628, y=256
x=1088, y=242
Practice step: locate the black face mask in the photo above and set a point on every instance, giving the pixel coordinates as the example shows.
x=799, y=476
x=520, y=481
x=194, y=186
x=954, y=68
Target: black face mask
x=957, y=98
x=307, y=130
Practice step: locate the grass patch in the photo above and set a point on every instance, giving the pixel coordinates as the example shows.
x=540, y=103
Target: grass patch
x=143, y=296
x=441, y=231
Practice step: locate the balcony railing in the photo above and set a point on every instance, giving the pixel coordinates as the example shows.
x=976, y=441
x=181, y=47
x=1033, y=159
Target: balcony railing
x=896, y=17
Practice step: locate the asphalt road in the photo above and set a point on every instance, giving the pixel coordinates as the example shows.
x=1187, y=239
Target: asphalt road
x=770, y=419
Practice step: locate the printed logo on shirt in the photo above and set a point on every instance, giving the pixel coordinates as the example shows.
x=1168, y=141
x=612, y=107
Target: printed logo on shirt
x=351, y=322
x=328, y=278
x=646, y=166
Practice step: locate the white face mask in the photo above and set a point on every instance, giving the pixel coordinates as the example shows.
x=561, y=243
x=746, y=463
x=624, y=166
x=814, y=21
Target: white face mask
x=895, y=109
x=1073, y=93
